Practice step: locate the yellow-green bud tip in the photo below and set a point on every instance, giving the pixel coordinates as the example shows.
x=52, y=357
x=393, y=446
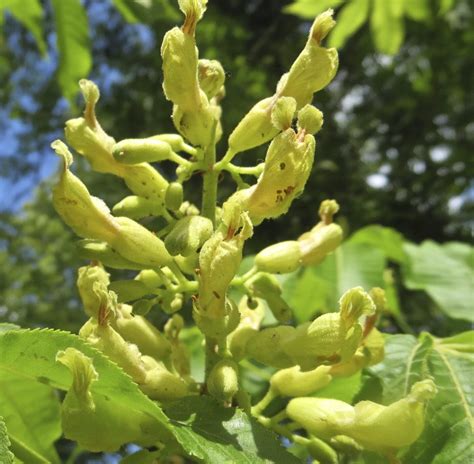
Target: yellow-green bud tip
x=327, y=209
x=62, y=151
x=310, y=119
x=322, y=25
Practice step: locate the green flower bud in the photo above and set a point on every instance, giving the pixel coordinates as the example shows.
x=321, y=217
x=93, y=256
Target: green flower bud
x=288, y=164
x=250, y=320
x=379, y=428
x=150, y=278
x=219, y=261
x=161, y=385
x=85, y=416
x=315, y=246
x=223, y=381
x=145, y=181
x=255, y=128
x=211, y=77
x=188, y=209
x=137, y=330
x=86, y=135
x=87, y=216
x=279, y=258
x=174, y=196
x=293, y=382
x=180, y=69
x=321, y=451
x=129, y=290
x=314, y=68
x=320, y=416
x=171, y=302
x=327, y=209
x=135, y=207
x=310, y=119
x=100, y=251
x=188, y=235
x=217, y=327
x=91, y=279
x=176, y=142
x=197, y=125
x=111, y=343
x=268, y=287
x=135, y=151
x=283, y=113
x=137, y=243
x=267, y=346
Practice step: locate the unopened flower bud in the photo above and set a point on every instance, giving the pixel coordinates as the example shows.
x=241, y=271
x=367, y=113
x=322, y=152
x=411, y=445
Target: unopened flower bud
x=135, y=151
x=145, y=181
x=255, y=128
x=96, y=250
x=137, y=243
x=310, y=119
x=327, y=209
x=174, y=196
x=293, y=382
x=87, y=216
x=279, y=258
x=88, y=280
x=315, y=246
x=128, y=290
x=161, y=385
x=135, y=207
x=150, y=278
x=267, y=346
x=211, y=77
x=249, y=324
x=188, y=235
x=176, y=142
x=139, y=331
x=283, y=113
x=314, y=68
x=355, y=303
x=223, y=381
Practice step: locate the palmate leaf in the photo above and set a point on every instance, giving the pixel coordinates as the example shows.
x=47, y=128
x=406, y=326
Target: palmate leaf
x=445, y=272
x=6, y=456
x=72, y=32
x=214, y=434
x=31, y=354
x=449, y=427
x=31, y=413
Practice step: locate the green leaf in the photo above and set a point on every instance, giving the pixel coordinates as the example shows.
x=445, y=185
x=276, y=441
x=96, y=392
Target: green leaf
x=6, y=326
x=126, y=11
x=309, y=9
x=387, y=27
x=31, y=413
x=72, y=32
x=418, y=10
x=212, y=433
x=31, y=354
x=386, y=239
x=447, y=436
x=6, y=456
x=445, y=274
x=30, y=14
x=342, y=388
x=318, y=288
x=351, y=17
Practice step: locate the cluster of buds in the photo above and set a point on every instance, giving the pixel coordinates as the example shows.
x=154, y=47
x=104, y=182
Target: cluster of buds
x=191, y=263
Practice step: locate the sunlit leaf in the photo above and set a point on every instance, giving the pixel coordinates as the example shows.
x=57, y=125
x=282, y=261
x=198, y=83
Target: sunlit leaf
x=31, y=413
x=6, y=456
x=309, y=9
x=449, y=423
x=30, y=14
x=212, y=433
x=446, y=274
x=72, y=31
x=351, y=17
x=388, y=29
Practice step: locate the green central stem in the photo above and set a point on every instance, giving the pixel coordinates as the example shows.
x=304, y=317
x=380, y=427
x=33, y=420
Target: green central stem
x=209, y=187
